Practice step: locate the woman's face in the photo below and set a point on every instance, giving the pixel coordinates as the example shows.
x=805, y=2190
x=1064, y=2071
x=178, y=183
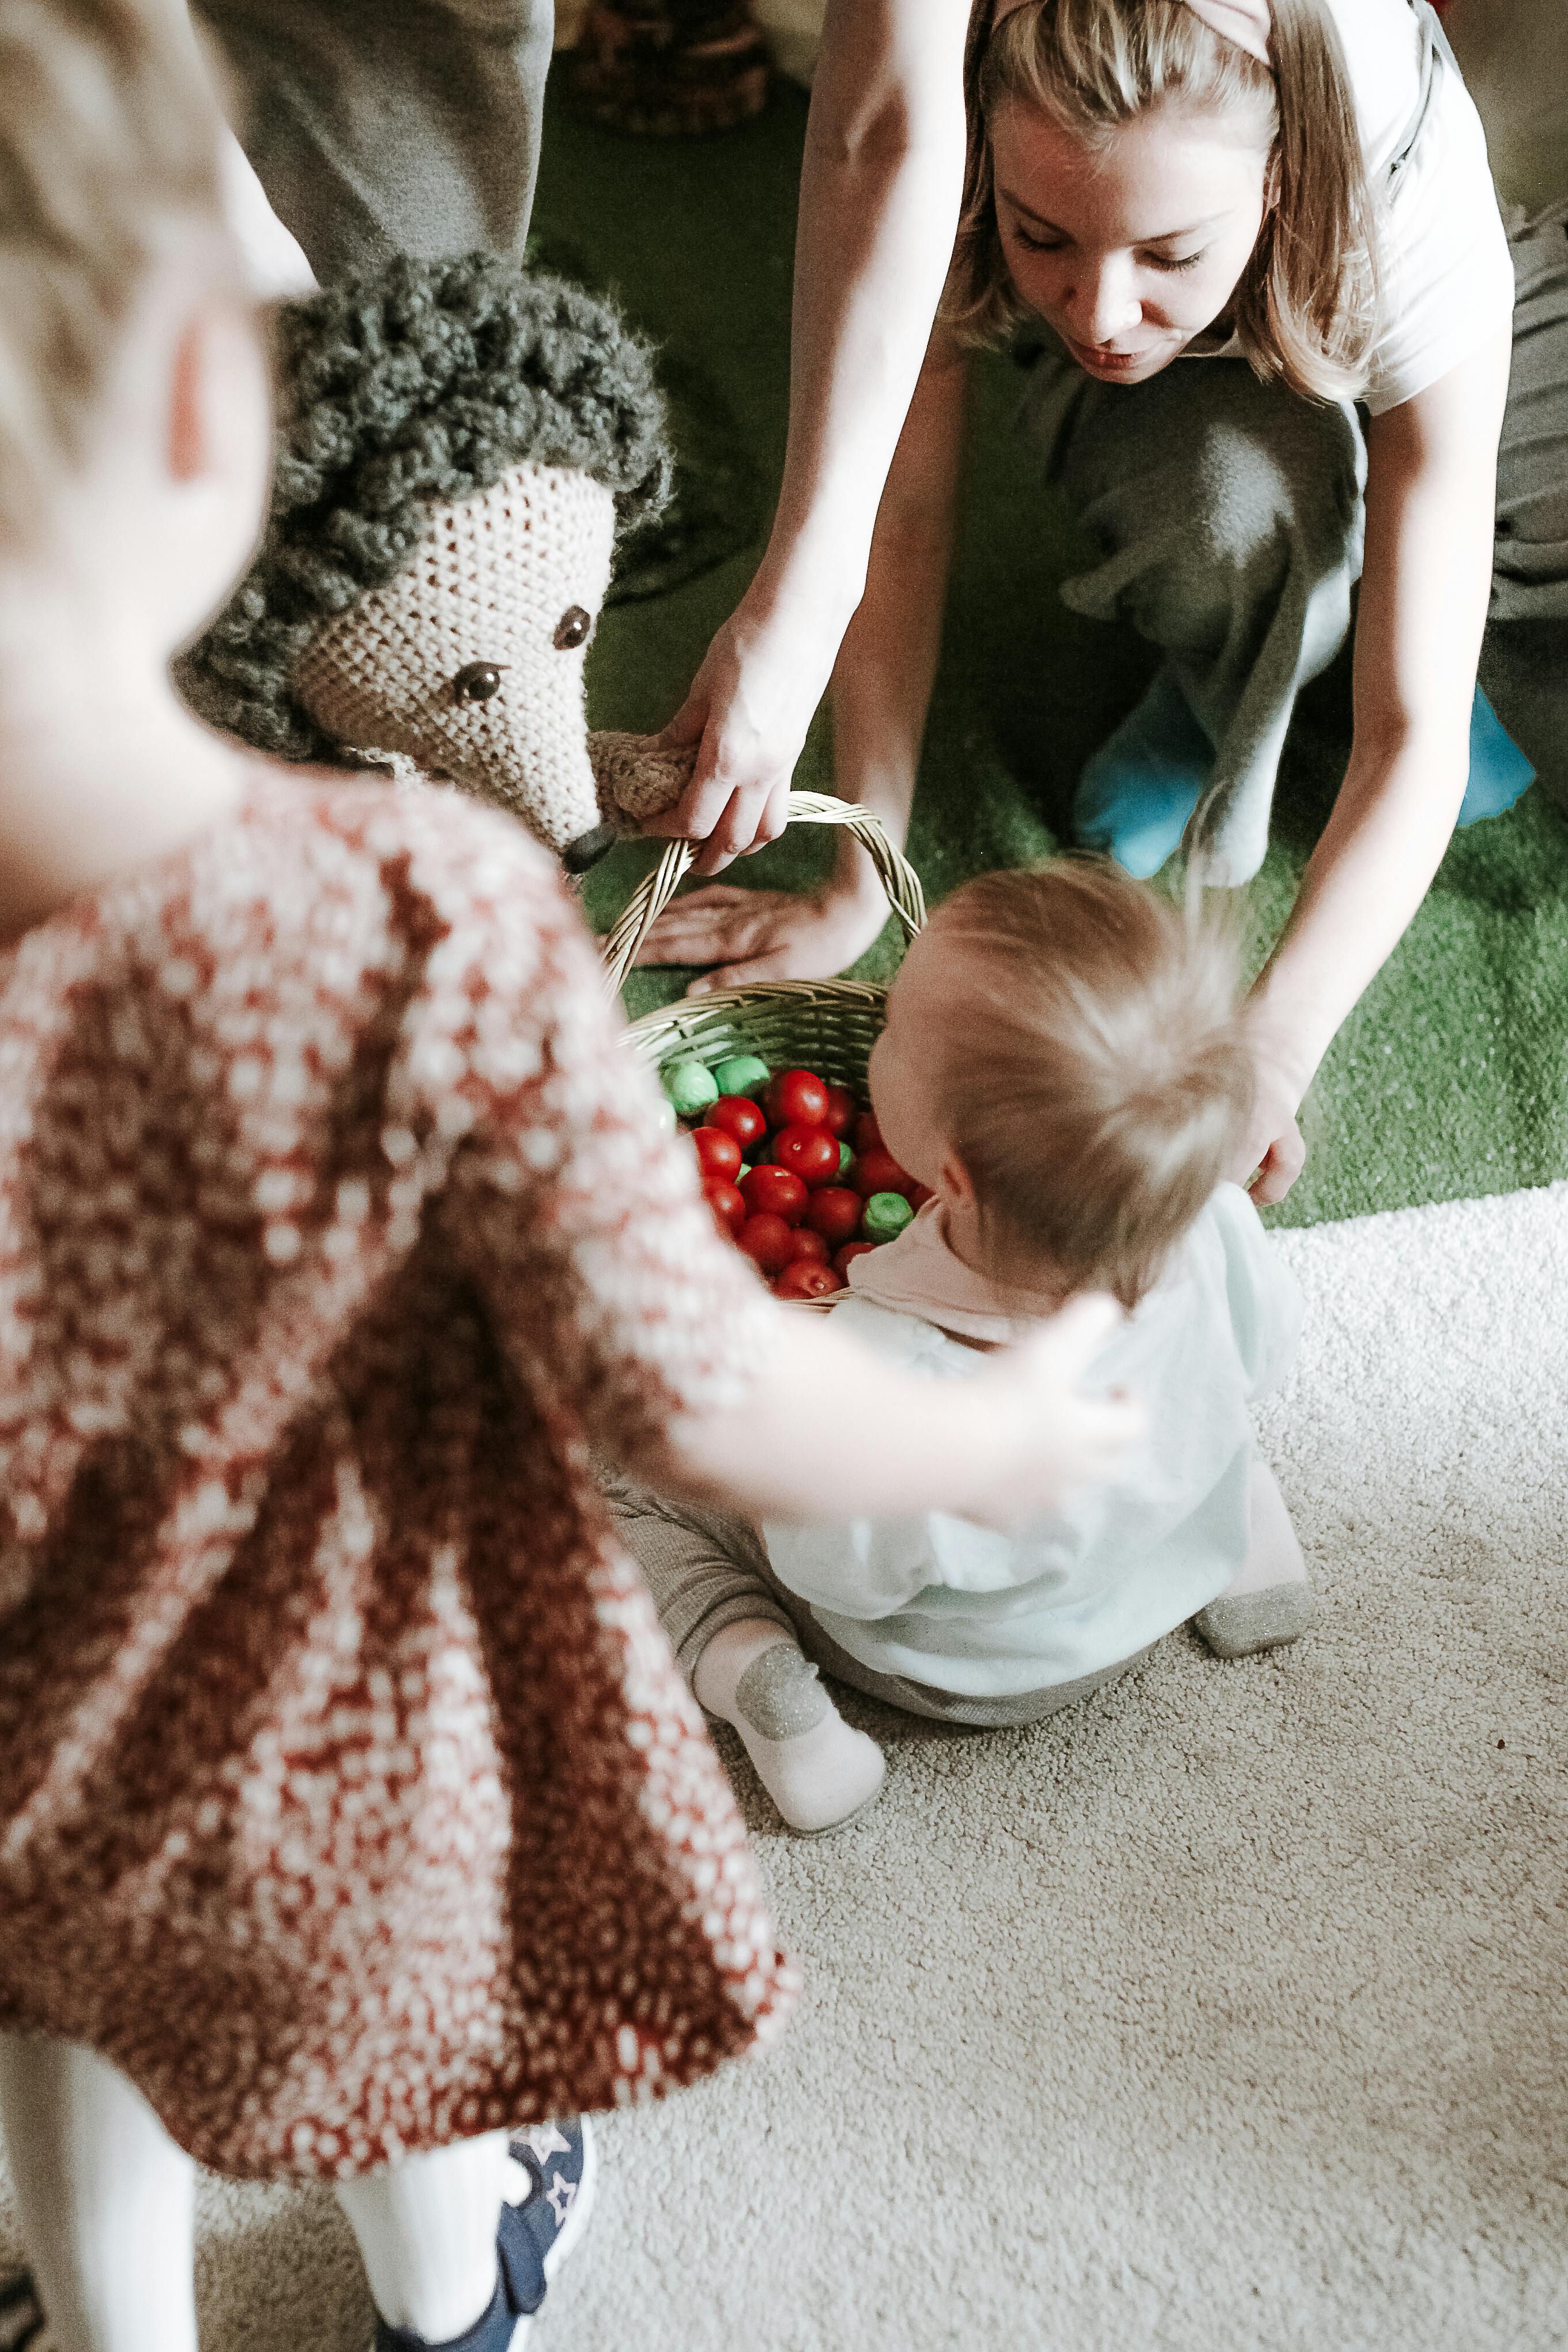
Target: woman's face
x=1130, y=249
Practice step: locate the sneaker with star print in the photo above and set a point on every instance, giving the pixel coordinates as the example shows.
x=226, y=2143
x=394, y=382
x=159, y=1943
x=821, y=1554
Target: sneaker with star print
x=555, y=2170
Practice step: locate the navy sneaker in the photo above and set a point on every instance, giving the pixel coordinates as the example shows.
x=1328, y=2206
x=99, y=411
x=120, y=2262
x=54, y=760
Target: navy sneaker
x=561, y=2161
x=534, y=2239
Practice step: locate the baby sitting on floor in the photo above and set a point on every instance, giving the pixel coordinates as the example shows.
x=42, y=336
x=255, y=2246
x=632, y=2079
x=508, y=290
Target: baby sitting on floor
x=1066, y=1065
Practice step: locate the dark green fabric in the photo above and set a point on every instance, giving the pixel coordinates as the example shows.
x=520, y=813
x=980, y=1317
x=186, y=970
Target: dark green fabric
x=1451, y=1078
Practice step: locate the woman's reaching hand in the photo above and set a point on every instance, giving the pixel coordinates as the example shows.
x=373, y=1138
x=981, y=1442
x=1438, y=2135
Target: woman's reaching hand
x=751, y=935
x=748, y=711
x=1275, y=1151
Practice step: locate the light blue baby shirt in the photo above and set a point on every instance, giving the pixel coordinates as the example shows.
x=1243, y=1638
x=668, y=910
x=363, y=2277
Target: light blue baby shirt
x=984, y=1614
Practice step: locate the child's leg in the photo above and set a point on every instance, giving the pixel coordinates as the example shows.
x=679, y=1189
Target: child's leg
x=737, y=1646
x=459, y=2243
x=1270, y=1601
x=427, y=2235
x=105, y=2199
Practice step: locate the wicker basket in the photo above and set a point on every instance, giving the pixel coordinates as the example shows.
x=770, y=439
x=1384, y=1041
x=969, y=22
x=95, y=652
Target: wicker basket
x=825, y=1025
x=655, y=891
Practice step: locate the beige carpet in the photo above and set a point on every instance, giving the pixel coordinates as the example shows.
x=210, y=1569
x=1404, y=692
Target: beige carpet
x=1229, y=2013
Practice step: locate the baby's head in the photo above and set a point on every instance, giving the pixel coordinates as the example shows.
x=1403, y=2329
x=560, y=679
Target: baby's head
x=1066, y=1064
x=133, y=405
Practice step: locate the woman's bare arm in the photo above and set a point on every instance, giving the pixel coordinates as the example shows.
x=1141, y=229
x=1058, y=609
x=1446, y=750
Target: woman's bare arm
x=1430, y=502
x=881, y=689
x=881, y=185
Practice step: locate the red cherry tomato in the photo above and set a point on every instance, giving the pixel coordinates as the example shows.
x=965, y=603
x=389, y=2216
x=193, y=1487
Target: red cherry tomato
x=877, y=1171
x=865, y=1135
x=808, y=1152
x=851, y=1249
x=768, y=1241
x=773, y=1192
x=719, y=1154
x=841, y=1114
x=805, y=1279
x=733, y=1115
x=834, y=1212
x=724, y=1200
x=796, y=1099
x=809, y=1247
x=920, y=1194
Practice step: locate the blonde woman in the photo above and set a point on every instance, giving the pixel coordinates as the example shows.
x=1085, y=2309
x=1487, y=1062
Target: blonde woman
x=1293, y=201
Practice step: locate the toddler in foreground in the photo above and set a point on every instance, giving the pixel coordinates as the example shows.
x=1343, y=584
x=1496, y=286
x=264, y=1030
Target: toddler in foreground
x=1066, y=1065
x=356, y=1824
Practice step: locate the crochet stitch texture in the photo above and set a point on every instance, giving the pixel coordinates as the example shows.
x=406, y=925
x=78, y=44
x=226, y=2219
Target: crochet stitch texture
x=504, y=581
x=411, y=387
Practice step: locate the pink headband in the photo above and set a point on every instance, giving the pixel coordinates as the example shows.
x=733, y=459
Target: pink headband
x=1248, y=23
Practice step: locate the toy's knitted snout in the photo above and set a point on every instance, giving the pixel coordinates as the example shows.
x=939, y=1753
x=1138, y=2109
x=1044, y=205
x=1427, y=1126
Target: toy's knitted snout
x=467, y=665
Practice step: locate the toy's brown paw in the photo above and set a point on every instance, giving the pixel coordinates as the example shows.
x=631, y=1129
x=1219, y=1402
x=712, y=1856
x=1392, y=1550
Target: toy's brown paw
x=635, y=781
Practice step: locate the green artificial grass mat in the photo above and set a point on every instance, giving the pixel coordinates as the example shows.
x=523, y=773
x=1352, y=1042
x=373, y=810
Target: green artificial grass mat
x=1448, y=1082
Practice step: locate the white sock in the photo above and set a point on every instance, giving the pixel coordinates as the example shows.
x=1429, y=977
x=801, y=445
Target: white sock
x=106, y=2201
x=427, y=2233
x=815, y=1768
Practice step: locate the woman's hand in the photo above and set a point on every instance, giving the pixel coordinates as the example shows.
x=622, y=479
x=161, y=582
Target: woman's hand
x=748, y=711
x=1275, y=1155
x=881, y=182
x=750, y=935
x=1274, y=1151
x=1431, y=488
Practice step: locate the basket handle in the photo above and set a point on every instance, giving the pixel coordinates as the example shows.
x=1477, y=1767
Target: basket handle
x=657, y=888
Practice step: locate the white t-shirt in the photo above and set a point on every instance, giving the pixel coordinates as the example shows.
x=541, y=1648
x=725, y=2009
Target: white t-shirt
x=967, y=1609
x=1447, y=278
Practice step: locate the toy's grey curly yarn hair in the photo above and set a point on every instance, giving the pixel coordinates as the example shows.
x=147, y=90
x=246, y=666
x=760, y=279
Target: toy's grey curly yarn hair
x=415, y=386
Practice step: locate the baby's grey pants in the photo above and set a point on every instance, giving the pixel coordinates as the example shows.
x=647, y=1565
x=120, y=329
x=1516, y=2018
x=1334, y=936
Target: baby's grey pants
x=707, y=1570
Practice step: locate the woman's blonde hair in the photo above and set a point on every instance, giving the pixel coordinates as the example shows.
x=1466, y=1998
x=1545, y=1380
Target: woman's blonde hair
x=1094, y=1072
x=1304, y=310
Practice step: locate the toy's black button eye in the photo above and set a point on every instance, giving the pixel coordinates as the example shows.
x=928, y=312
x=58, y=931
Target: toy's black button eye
x=477, y=682
x=572, y=628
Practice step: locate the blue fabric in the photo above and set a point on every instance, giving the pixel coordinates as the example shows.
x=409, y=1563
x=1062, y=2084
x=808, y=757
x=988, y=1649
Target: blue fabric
x=1137, y=794
x=1500, y=772
x=985, y=1613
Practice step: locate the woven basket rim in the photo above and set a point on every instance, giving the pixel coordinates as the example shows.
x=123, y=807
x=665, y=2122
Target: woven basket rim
x=899, y=881
x=829, y=995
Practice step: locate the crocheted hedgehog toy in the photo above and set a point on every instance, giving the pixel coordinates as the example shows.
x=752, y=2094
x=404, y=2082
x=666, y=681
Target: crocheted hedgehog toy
x=458, y=446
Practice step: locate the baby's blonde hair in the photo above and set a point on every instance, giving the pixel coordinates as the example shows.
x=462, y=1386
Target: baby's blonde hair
x=1095, y=1075
x=109, y=155
x=1306, y=307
